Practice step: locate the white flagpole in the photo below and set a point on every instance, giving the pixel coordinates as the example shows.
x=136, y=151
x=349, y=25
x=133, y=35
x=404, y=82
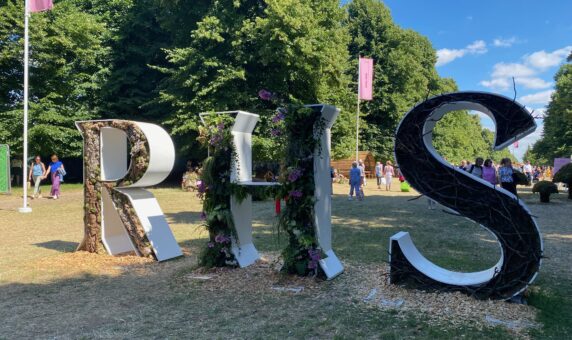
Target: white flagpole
x=357, y=114
x=25, y=208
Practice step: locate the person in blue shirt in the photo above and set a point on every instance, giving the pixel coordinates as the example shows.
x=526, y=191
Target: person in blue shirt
x=506, y=173
x=37, y=170
x=56, y=169
x=355, y=182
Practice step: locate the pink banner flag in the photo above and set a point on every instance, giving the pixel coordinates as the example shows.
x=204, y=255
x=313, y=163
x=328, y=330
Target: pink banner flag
x=365, y=87
x=39, y=5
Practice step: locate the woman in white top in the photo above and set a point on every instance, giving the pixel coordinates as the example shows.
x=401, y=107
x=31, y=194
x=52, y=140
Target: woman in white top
x=389, y=173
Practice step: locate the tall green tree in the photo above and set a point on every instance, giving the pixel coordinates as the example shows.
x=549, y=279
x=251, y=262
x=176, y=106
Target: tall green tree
x=67, y=68
x=296, y=49
x=557, y=139
x=404, y=70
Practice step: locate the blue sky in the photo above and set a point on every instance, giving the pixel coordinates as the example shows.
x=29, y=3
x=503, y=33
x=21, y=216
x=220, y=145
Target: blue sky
x=483, y=44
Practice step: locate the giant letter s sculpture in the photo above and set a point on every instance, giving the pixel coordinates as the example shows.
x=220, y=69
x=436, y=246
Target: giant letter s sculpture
x=497, y=210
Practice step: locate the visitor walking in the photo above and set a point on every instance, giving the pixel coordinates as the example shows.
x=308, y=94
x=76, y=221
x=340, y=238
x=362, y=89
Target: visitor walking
x=37, y=170
x=57, y=171
x=506, y=173
x=355, y=182
x=361, y=168
x=477, y=168
x=527, y=170
x=389, y=173
x=490, y=172
x=379, y=174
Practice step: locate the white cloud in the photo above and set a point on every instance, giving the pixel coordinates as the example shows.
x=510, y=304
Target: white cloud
x=525, y=73
x=446, y=55
x=496, y=83
x=533, y=83
x=503, y=74
x=542, y=98
x=477, y=47
x=543, y=60
x=500, y=42
x=509, y=70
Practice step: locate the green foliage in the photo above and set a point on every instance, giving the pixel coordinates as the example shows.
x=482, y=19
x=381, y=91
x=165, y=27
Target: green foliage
x=67, y=67
x=239, y=47
x=460, y=135
x=546, y=187
x=298, y=127
x=557, y=139
x=404, y=71
x=216, y=189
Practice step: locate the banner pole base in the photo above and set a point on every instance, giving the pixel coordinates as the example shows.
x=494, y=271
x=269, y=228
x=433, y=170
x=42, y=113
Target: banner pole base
x=25, y=210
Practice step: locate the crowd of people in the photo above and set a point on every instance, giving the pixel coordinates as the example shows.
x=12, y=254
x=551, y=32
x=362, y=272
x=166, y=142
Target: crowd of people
x=503, y=174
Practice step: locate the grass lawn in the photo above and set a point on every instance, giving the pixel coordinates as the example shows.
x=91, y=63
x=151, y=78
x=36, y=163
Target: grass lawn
x=49, y=291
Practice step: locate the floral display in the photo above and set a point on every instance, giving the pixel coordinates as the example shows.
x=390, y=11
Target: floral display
x=297, y=127
x=215, y=189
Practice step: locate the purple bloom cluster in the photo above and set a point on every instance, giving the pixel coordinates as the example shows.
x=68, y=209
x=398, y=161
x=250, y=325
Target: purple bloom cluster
x=201, y=186
x=295, y=175
x=278, y=117
x=315, y=257
x=275, y=132
x=265, y=94
x=222, y=239
x=296, y=194
x=218, y=136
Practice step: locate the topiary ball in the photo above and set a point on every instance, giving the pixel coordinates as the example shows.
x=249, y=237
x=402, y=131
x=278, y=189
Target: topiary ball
x=545, y=187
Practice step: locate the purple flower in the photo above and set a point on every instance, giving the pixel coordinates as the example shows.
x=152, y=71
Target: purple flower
x=203, y=215
x=220, y=126
x=296, y=194
x=278, y=117
x=315, y=257
x=275, y=132
x=215, y=139
x=210, y=245
x=222, y=239
x=295, y=175
x=265, y=94
x=201, y=187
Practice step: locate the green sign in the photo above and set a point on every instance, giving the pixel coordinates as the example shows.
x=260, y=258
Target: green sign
x=4, y=169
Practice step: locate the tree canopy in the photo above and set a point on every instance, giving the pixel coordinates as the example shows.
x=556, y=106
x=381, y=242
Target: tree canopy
x=166, y=61
x=557, y=139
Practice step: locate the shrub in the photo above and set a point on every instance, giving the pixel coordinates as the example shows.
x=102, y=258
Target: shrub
x=545, y=188
x=520, y=178
x=564, y=175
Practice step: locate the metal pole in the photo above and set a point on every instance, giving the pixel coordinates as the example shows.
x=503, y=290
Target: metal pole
x=357, y=114
x=25, y=208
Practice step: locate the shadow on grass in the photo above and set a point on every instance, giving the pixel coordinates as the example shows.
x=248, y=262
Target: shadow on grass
x=184, y=217
x=154, y=301
x=63, y=246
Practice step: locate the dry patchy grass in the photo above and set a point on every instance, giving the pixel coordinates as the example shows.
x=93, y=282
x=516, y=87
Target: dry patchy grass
x=49, y=291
